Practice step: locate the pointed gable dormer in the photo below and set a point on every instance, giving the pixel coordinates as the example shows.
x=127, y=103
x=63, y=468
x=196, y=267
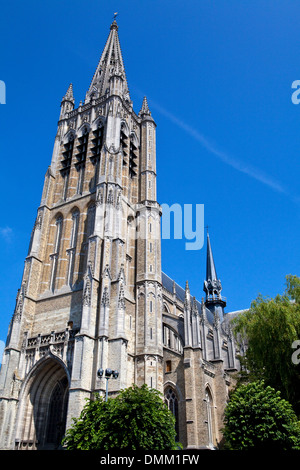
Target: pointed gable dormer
x=212, y=285
x=109, y=77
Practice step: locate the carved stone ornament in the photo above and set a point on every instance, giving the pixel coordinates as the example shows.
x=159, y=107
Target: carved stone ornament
x=20, y=302
x=105, y=297
x=99, y=197
x=106, y=272
x=90, y=268
x=216, y=320
x=213, y=285
x=121, y=300
x=195, y=311
x=118, y=202
x=86, y=300
x=126, y=96
x=112, y=149
x=121, y=276
x=110, y=197
x=38, y=222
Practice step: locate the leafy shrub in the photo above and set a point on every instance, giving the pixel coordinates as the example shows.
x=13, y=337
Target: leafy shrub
x=256, y=417
x=136, y=419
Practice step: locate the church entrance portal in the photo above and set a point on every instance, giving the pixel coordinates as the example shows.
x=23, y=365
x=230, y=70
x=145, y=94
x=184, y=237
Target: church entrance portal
x=43, y=407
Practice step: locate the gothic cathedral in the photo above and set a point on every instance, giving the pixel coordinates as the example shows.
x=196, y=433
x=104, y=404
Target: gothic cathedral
x=93, y=295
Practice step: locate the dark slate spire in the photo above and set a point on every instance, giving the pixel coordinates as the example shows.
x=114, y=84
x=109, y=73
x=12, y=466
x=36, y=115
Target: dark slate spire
x=211, y=273
x=212, y=285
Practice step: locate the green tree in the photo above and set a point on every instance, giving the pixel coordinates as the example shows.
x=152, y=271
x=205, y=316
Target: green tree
x=257, y=418
x=270, y=328
x=137, y=419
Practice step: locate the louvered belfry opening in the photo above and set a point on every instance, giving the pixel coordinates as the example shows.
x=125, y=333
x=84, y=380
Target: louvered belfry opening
x=133, y=154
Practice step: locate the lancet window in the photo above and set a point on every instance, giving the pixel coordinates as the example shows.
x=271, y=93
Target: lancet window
x=172, y=403
x=72, y=248
x=55, y=254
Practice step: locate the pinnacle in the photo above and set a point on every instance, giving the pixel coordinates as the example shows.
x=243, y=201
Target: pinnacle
x=69, y=95
x=195, y=308
x=145, y=108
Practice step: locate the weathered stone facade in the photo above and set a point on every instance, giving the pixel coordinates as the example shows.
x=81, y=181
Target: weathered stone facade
x=93, y=294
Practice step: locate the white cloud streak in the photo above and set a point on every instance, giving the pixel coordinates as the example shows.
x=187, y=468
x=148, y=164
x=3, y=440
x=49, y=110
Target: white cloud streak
x=238, y=165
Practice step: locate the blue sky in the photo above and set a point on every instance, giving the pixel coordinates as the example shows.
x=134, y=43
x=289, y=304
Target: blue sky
x=217, y=75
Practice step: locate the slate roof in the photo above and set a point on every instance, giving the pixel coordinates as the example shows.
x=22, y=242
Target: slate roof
x=167, y=283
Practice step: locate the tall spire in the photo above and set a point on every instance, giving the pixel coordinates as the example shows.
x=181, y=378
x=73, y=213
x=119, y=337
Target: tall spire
x=212, y=285
x=211, y=273
x=110, y=65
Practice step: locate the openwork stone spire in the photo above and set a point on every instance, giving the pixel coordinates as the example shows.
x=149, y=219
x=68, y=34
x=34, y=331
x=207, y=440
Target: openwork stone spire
x=110, y=64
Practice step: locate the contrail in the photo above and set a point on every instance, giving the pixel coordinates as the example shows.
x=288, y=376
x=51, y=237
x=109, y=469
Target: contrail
x=211, y=147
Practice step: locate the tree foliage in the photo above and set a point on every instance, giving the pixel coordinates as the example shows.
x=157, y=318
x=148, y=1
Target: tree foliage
x=270, y=328
x=137, y=419
x=257, y=418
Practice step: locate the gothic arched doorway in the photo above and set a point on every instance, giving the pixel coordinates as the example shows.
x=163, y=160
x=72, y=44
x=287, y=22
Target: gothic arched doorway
x=42, y=414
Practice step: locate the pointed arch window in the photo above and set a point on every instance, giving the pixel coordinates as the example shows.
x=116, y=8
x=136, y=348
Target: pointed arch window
x=90, y=220
x=55, y=254
x=89, y=225
x=210, y=418
x=172, y=403
x=72, y=248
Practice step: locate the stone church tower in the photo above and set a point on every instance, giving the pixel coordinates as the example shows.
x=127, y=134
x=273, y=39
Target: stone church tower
x=93, y=295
